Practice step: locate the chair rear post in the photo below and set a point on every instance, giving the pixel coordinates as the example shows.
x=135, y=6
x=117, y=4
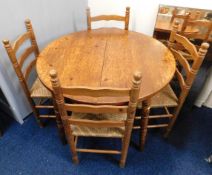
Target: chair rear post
x=127, y=18
x=134, y=94
x=174, y=13
x=187, y=16
x=88, y=18
x=197, y=63
x=29, y=28
x=174, y=31
x=21, y=78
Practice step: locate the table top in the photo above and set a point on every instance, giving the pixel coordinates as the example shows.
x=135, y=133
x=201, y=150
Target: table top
x=107, y=57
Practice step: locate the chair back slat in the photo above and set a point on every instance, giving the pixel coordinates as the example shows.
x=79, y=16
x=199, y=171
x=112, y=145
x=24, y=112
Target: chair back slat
x=183, y=62
x=20, y=41
x=18, y=63
x=180, y=79
x=11, y=51
x=64, y=107
x=96, y=124
x=96, y=92
x=25, y=55
x=29, y=69
x=187, y=45
x=108, y=18
x=96, y=109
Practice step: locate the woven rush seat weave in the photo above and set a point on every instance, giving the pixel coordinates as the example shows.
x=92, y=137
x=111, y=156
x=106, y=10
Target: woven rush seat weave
x=98, y=132
x=38, y=90
x=165, y=97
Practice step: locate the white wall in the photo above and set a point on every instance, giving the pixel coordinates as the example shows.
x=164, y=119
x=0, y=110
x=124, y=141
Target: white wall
x=50, y=19
x=143, y=13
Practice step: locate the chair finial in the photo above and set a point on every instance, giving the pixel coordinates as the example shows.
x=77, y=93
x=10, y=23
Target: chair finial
x=53, y=73
x=205, y=46
x=5, y=42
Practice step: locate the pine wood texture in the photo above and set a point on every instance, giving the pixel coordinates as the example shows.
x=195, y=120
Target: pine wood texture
x=107, y=57
x=111, y=124
x=125, y=18
x=164, y=99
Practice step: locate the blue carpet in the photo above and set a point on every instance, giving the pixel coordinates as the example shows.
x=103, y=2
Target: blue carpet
x=27, y=149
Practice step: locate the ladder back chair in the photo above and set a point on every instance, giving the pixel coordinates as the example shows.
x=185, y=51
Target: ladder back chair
x=167, y=99
x=125, y=18
x=36, y=94
x=109, y=121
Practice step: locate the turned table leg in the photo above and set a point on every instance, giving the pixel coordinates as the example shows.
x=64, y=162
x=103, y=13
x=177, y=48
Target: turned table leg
x=144, y=122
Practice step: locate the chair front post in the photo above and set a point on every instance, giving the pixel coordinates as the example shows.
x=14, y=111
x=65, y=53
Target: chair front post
x=29, y=28
x=134, y=95
x=127, y=18
x=59, y=101
x=20, y=76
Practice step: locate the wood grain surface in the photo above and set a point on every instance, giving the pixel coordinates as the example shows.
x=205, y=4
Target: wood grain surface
x=107, y=57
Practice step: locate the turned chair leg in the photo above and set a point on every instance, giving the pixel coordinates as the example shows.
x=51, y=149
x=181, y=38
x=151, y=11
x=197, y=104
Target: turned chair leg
x=73, y=150
x=125, y=143
x=170, y=126
x=60, y=128
x=37, y=118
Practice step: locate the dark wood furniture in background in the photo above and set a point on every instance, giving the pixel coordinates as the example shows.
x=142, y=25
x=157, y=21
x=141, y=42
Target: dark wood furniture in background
x=108, y=121
x=164, y=22
x=125, y=18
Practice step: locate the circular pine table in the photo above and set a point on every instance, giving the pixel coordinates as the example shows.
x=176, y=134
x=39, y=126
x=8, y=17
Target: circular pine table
x=107, y=57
